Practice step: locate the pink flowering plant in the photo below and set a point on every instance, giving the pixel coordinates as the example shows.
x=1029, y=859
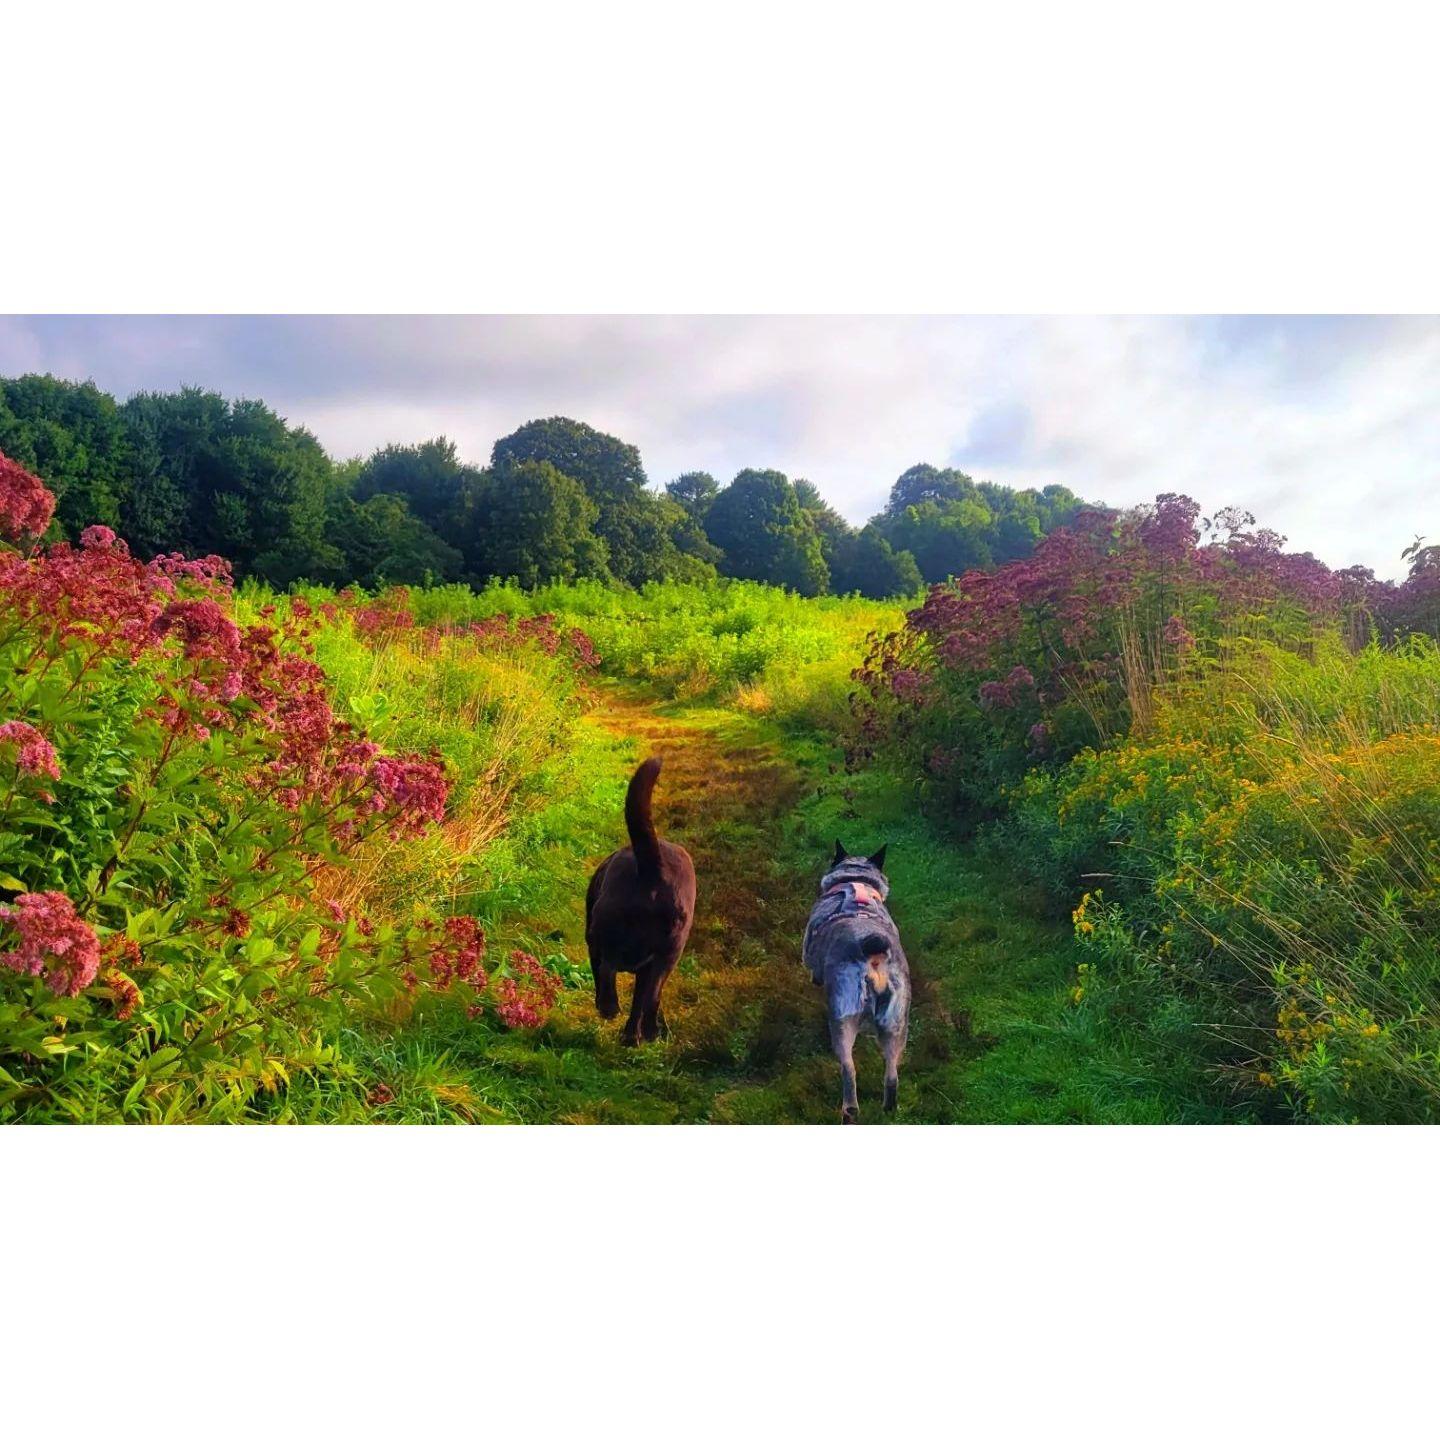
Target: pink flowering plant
x=173, y=787
x=1034, y=661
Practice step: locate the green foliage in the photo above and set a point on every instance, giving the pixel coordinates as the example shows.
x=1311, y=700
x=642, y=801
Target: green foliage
x=645, y=538
x=951, y=525
x=720, y=640
x=74, y=436
x=608, y=469
x=381, y=543
x=528, y=522
x=1267, y=850
x=867, y=564
x=649, y=538
x=766, y=534
x=429, y=477
x=695, y=490
x=832, y=527
x=254, y=488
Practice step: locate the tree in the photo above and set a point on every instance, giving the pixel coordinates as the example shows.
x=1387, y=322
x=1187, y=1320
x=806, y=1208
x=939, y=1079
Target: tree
x=924, y=482
x=194, y=472
x=867, y=564
x=255, y=487
x=527, y=521
x=429, y=477
x=648, y=537
x=72, y=435
x=379, y=542
x=166, y=433
x=1059, y=506
x=651, y=538
x=645, y=537
x=637, y=536
x=695, y=490
x=687, y=533
x=765, y=534
x=607, y=468
x=951, y=525
x=832, y=527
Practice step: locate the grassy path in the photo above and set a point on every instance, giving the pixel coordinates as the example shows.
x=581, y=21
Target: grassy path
x=993, y=1037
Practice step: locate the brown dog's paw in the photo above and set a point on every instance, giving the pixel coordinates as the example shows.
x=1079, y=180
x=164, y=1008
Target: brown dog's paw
x=608, y=1009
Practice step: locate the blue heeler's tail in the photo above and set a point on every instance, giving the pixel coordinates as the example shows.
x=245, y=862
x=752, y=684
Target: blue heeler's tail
x=876, y=950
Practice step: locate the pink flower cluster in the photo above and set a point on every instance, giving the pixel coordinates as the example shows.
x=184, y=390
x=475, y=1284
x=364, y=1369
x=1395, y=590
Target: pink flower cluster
x=1177, y=635
x=53, y=941
x=504, y=632
x=1006, y=694
x=34, y=754
x=411, y=789
x=582, y=649
x=908, y=684
x=527, y=994
x=100, y=593
x=1080, y=577
x=385, y=615
x=26, y=506
x=211, y=641
x=458, y=954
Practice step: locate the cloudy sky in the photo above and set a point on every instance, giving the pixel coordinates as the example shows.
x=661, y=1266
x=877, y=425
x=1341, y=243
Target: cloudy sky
x=1327, y=428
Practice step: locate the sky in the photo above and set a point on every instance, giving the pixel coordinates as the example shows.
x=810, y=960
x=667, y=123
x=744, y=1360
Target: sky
x=1327, y=428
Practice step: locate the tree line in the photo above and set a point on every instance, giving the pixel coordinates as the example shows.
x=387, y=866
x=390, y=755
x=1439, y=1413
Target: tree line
x=559, y=500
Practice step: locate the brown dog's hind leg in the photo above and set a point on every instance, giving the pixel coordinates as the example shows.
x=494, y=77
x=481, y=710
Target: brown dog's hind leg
x=639, y=1004
x=651, y=1022
x=607, y=999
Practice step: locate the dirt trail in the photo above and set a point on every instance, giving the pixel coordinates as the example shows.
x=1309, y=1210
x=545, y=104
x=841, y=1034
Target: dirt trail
x=745, y=1023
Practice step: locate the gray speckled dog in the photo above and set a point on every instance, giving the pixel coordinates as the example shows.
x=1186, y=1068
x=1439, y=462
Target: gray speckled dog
x=852, y=948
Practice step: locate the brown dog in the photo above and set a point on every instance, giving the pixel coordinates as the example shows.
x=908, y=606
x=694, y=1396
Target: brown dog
x=638, y=911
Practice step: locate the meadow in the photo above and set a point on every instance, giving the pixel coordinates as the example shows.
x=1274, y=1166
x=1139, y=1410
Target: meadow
x=1161, y=807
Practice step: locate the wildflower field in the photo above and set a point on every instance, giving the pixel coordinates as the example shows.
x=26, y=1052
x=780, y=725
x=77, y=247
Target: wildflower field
x=1163, y=802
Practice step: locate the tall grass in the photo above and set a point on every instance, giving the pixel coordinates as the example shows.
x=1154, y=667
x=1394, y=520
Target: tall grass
x=1265, y=854
x=772, y=651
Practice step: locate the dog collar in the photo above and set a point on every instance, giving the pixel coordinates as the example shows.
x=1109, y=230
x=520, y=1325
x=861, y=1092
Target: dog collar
x=864, y=894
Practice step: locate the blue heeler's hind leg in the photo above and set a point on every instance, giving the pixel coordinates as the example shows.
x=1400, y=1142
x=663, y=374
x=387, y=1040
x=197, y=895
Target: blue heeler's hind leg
x=842, y=1040
x=892, y=1044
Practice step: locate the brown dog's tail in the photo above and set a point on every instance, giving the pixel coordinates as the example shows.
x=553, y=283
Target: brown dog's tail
x=643, y=839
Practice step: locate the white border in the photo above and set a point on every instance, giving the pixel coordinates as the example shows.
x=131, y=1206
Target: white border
x=1117, y=1283
x=760, y=157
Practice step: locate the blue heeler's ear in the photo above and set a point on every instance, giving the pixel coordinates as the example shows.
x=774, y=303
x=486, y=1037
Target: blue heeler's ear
x=878, y=858
x=839, y=854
